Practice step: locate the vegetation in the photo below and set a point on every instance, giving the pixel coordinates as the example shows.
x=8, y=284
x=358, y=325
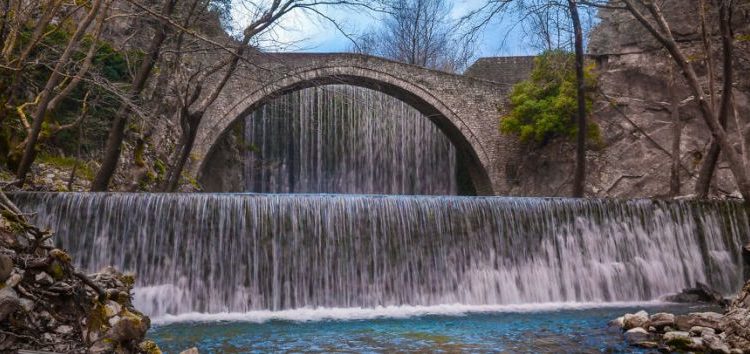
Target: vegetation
x=544, y=106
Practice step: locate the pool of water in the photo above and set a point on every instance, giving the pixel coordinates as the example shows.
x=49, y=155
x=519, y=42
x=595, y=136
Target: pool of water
x=520, y=330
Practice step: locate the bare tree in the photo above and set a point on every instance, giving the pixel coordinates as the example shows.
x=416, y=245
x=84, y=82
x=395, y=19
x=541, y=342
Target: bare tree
x=417, y=32
x=117, y=131
x=649, y=14
x=193, y=102
x=46, y=96
x=579, y=179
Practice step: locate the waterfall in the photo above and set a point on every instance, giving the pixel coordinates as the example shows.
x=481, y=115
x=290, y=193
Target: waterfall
x=345, y=139
x=240, y=252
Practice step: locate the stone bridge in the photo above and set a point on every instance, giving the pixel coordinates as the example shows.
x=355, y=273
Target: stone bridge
x=464, y=108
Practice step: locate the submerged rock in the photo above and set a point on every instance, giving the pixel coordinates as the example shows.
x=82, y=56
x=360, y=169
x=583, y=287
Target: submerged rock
x=637, y=335
x=700, y=293
x=6, y=267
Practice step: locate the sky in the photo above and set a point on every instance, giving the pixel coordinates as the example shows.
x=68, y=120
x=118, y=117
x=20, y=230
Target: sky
x=308, y=32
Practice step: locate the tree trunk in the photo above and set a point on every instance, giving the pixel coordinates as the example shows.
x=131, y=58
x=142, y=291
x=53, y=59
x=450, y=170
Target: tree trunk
x=116, y=135
x=674, y=180
x=29, y=153
x=579, y=180
x=186, y=146
x=665, y=37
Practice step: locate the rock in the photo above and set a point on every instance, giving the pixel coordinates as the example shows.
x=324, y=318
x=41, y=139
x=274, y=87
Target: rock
x=678, y=339
x=736, y=327
x=746, y=263
x=27, y=305
x=661, y=320
x=149, y=347
x=6, y=267
x=702, y=331
x=14, y=280
x=700, y=319
x=639, y=319
x=714, y=344
x=743, y=297
x=130, y=327
x=112, y=308
x=700, y=293
x=192, y=350
x=44, y=278
x=637, y=335
x=102, y=346
x=618, y=322
x=113, y=320
x=64, y=330
x=9, y=302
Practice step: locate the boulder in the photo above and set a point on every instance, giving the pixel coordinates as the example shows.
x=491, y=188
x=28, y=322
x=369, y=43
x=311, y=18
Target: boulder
x=43, y=278
x=6, y=267
x=639, y=319
x=702, y=331
x=678, y=339
x=743, y=297
x=699, y=319
x=9, y=302
x=661, y=320
x=700, y=293
x=736, y=327
x=618, y=322
x=714, y=344
x=637, y=335
x=192, y=350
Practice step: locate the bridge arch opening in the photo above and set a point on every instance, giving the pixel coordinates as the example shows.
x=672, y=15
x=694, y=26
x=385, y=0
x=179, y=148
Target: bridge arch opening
x=471, y=173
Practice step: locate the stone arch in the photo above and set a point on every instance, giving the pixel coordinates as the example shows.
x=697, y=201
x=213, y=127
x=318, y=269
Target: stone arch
x=467, y=144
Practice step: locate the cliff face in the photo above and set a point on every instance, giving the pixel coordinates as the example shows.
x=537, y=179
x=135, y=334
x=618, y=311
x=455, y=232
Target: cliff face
x=633, y=109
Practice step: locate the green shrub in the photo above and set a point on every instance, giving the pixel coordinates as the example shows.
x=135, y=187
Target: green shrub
x=545, y=105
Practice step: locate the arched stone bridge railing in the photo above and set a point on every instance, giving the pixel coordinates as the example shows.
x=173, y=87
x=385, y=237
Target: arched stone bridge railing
x=464, y=108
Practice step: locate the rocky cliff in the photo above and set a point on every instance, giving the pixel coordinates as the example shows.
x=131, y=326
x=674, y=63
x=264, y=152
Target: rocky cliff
x=633, y=109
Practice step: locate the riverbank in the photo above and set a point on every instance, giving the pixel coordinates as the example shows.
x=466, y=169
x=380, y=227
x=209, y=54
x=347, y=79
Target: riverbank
x=47, y=304
x=711, y=332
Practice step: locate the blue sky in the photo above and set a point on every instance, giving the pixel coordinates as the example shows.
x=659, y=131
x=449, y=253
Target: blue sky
x=309, y=32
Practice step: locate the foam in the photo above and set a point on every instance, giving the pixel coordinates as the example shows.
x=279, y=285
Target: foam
x=380, y=312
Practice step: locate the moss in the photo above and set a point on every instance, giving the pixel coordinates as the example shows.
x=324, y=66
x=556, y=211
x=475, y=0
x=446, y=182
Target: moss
x=128, y=279
x=149, y=347
x=161, y=169
x=56, y=270
x=60, y=255
x=83, y=168
x=97, y=319
x=680, y=343
x=191, y=181
x=742, y=38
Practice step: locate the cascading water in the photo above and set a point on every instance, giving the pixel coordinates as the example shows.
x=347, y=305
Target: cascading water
x=345, y=139
x=241, y=252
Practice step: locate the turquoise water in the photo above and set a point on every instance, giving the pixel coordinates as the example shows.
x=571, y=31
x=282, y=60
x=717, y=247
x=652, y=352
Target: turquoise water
x=559, y=331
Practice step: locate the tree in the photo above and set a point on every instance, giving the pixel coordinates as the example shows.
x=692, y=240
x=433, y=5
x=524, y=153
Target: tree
x=417, y=32
x=649, y=14
x=117, y=131
x=545, y=106
x=193, y=102
x=46, y=96
x=546, y=16
x=579, y=179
